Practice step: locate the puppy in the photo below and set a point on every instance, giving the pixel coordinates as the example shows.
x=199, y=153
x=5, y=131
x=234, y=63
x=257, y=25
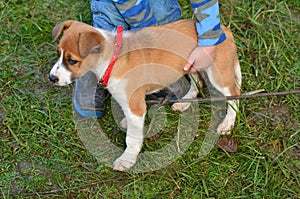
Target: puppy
x=133, y=64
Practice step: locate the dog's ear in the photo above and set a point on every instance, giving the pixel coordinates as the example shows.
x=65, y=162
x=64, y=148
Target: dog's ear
x=59, y=28
x=90, y=42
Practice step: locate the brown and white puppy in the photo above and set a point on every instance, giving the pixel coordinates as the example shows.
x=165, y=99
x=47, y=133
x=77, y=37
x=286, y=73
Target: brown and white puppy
x=150, y=59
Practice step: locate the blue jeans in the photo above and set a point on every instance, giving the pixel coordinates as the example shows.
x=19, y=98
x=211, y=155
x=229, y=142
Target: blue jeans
x=107, y=16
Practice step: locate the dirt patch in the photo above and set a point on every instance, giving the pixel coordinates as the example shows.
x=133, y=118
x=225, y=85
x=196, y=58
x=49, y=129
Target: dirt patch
x=276, y=114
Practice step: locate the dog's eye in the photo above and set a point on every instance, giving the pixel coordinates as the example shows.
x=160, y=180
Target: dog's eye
x=72, y=61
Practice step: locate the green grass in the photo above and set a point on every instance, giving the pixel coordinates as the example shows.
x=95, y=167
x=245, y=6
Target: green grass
x=41, y=154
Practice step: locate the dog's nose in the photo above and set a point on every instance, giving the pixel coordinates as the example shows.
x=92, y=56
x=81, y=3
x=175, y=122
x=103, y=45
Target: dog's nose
x=53, y=78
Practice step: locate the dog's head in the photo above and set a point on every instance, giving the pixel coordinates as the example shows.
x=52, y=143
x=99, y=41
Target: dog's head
x=78, y=51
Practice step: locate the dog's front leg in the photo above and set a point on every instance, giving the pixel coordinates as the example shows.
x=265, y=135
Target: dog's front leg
x=191, y=94
x=135, y=117
x=134, y=142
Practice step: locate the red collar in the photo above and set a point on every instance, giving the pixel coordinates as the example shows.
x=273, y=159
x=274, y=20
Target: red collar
x=118, y=44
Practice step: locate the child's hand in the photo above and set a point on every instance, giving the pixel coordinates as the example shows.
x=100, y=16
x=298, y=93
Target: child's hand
x=200, y=58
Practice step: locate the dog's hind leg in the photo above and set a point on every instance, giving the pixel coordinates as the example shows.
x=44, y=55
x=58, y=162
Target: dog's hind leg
x=229, y=85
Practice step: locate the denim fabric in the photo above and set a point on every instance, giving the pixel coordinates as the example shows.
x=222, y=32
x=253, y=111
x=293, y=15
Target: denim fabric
x=165, y=11
x=137, y=13
x=107, y=16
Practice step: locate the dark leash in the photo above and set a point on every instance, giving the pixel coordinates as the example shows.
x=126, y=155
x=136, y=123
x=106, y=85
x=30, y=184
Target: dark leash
x=163, y=101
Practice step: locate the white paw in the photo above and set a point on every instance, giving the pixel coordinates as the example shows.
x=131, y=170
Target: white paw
x=180, y=106
x=225, y=127
x=125, y=161
x=123, y=123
